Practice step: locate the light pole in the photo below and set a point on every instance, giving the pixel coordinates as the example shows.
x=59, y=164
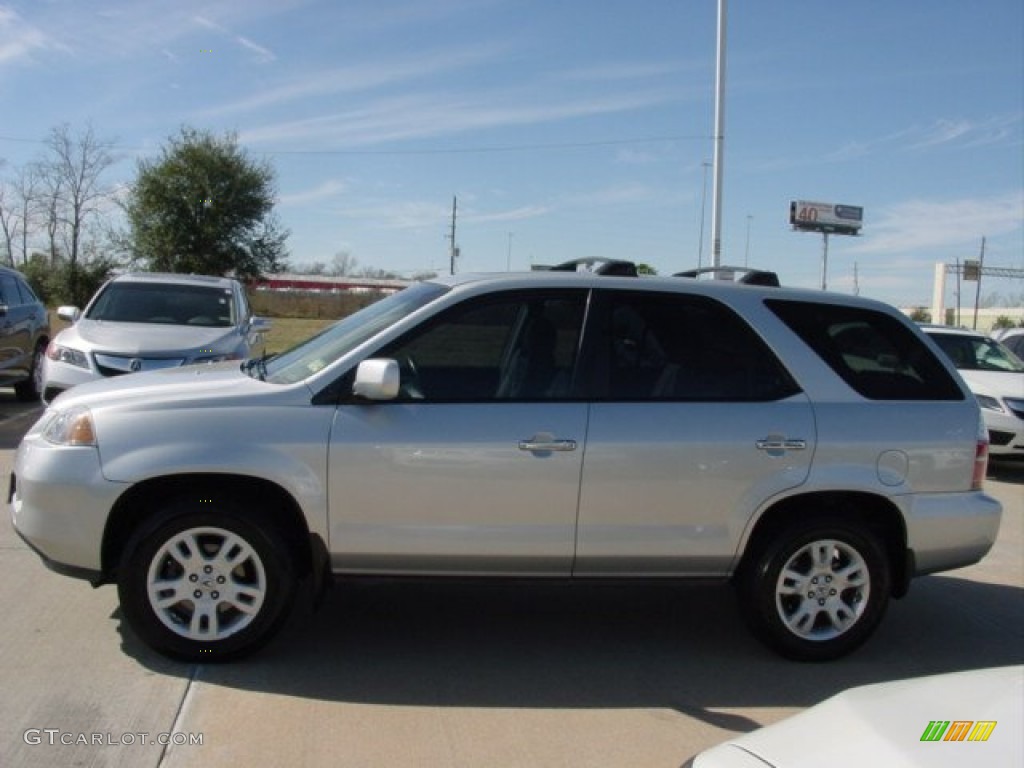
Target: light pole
x=703, y=203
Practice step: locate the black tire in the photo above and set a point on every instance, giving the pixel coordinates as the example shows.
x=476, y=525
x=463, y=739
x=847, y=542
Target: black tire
x=221, y=583
x=816, y=590
x=31, y=389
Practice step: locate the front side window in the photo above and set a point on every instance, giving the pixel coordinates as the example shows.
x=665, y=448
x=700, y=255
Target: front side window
x=878, y=356
x=508, y=347
x=674, y=347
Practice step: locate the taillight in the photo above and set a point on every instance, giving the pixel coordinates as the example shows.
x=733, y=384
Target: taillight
x=980, y=458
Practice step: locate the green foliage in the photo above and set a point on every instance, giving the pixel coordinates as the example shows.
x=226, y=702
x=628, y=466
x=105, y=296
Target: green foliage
x=62, y=282
x=206, y=207
x=645, y=269
x=1003, y=322
x=920, y=315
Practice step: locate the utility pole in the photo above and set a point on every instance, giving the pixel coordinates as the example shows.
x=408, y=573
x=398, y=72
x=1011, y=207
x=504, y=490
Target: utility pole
x=977, y=289
x=453, y=250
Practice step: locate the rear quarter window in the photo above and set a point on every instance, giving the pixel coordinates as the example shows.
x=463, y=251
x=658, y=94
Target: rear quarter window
x=876, y=354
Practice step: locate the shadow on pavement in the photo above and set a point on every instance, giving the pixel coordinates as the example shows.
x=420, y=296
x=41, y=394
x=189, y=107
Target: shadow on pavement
x=563, y=646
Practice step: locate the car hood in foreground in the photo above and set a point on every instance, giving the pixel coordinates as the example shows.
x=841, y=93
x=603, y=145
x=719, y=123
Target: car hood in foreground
x=996, y=383
x=140, y=339
x=887, y=725
x=191, y=385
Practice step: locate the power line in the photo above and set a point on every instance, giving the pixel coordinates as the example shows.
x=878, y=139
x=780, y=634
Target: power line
x=430, y=150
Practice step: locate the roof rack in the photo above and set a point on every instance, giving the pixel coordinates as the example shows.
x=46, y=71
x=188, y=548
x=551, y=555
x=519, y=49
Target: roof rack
x=599, y=266
x=744, y=275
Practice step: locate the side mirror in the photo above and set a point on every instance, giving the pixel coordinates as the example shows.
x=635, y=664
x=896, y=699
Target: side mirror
x=259, y=324
x=377, y=379
x=70, y=314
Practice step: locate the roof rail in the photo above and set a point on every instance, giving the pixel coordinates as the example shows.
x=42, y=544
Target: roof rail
x=599, y=266
x=745, y=275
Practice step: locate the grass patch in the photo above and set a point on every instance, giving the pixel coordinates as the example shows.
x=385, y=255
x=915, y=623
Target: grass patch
x=286, y=332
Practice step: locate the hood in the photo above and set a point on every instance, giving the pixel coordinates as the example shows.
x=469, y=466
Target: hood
x=885, y=725
x=995, y=383
x=136, y=339
x=191, y=385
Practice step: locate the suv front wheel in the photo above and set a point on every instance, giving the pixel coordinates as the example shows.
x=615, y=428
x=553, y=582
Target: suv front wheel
x=206, y=586
x=816, y=590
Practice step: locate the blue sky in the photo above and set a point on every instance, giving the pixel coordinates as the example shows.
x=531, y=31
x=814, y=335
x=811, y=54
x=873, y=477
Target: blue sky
x=567, y=128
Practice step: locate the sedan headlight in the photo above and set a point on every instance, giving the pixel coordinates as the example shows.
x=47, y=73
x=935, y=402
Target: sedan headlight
x=71, y=427
x=61, y=354
x=989, y=403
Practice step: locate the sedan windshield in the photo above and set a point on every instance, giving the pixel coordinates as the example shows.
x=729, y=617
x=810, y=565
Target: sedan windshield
x=334, y=342
x=164, y=304
x=970, y=353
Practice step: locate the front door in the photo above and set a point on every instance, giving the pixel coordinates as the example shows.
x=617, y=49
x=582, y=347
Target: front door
x=475, y=467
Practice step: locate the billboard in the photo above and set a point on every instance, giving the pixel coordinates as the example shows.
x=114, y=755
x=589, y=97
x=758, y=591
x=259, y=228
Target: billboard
x=826, y=217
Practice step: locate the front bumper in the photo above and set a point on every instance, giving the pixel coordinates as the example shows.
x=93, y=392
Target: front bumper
x=59, y=504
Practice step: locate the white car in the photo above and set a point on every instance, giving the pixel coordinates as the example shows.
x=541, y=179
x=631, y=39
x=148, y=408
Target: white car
x=147, y=321
x=1012, y=339
x=942, y=721
x=996, y=377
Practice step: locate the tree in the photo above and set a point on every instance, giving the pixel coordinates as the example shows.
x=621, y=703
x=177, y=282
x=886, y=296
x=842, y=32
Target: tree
x=205, y=206
x=72, y=193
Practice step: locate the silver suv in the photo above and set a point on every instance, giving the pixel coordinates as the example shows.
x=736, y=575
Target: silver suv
x=814, y=449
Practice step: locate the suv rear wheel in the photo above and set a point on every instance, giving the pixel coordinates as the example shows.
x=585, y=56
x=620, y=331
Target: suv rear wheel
x=208, y=586
x=816, y=590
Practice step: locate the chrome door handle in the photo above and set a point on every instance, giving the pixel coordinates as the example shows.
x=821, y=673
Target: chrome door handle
x=780, y=444
x=547, y=445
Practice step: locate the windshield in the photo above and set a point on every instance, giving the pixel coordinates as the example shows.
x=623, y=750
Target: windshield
x=164, y=304
x=970, y=353
x=334, y=342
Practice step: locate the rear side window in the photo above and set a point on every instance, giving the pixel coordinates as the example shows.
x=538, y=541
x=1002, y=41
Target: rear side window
x=874, y=353
x=672, y=347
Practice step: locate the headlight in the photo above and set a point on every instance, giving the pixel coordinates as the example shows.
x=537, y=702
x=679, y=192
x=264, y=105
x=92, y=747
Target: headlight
x=989, y=403
x=68, y=355
x=71, y=427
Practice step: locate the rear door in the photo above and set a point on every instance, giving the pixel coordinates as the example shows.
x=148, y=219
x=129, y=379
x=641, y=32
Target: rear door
x=475, y=467
x=694, y=423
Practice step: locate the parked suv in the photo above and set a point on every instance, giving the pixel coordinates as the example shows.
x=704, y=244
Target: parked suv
x=146, y=321
x=812, y=448
x=24, y=334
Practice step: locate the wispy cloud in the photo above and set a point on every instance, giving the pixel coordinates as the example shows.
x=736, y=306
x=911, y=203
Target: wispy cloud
x=19, y=39
x=431, y=115
x=262, y=53
x=515, y=214
x=364, y=77
x=325, y=190
x=925, y=224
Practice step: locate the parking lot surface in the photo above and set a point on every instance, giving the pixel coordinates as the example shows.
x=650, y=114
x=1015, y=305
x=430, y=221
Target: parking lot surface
x=459, y=675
